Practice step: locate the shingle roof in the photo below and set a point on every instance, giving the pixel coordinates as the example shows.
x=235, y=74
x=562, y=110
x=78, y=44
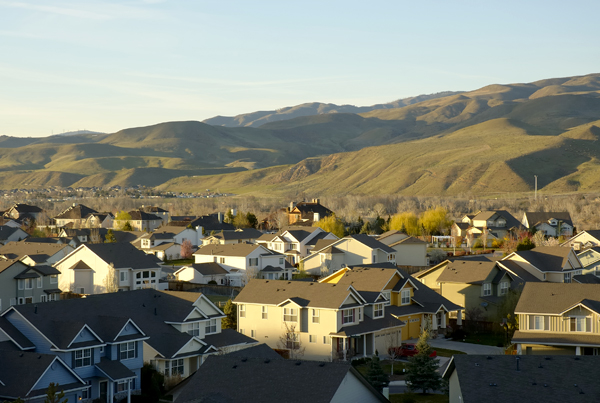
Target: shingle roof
x=371, y=242
x=523, y=274
x=138, y=215
x=370, y=325
x=390, y=233
x=260, y=380
x=463, y=271
x=273, y=292
x=408, y=240
x=323, y=243
x=545, y=258
x=462, y=225
x=15, y=334
x=208, y=269
x=237, y=249
x=5, y=264
x=536, y=218
x=115, y=370
x=76, y=212
x=531, y=378
x=246, y=233
x=260, y=351
x=589, y=278
x=6, y=231
x=26, y=208
x=153, y=209
x=554, y=298
x=208, y=222
x=299, y=233
x=510, y=220
x=20, y=249
x=123, y=255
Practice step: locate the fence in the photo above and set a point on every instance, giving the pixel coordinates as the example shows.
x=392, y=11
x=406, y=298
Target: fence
x=209, y=289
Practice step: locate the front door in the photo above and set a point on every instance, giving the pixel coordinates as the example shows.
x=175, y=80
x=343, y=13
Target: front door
x=103, y=391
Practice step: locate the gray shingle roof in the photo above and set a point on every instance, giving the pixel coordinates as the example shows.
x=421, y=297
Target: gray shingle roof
x=76, y=212
x=246, y=233
x=554, y=298
x=369, y=325
x=520, y=272
x=115, y=370
x=587, y=279
x=237, y=249
x=123, y=255
x=546, y=258
x=495, y=379
x=371, y=242
x=20, y=249
x=6, y=231
x=322, y=244
x=463, y=271
x=510, y=220
x=208, y=269
x=536, y=218
x=299, y=232
x=15, y=334
x=138, y=215
x=262, y=381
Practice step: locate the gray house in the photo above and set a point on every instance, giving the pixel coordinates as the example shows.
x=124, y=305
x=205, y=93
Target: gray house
x=22, y=284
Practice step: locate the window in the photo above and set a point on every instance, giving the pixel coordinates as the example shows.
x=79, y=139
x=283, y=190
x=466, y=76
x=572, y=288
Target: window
x=83, y=358
x=253, y=262
x=326, y=340
x=124, y=276
x=281, y=261
x=503, y=288
x=391, y=257
x=174, y=367
x=54, y=279
x=43, y=298
x=242, y=310
x=21, y=300
x=405, y=297
x=487, y=289
x=581, y=324
x=292, y=340
x=312, y=338
x=211, y=326
x=28, y=283
x=290, y=315
x=374, y=259
x=122, y=386
x=28, y=300
x=265, y=312
x=222, y=260
x=127, y=350
x=568, y=277
x=87, y=392
x=388, y=296
x=193, y=329
x=538, y=322
x=316, y=316
x=21, y=284
x=39, y=282
x=378, y=311
x=348, y=316
x=252, y=333
x=360, y=314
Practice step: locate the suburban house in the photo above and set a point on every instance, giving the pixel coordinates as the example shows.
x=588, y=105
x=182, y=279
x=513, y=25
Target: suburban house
x=558, y=318
x=107, y=267
x=550, y=224
x=142, y=221
x=458, y=230
x=488, y=225
x=170, y=234
x=157, y=211
x=23, y=284
x=244, y=261
x=410, y=251
x=259, y=378
x=506, y=378
x=477, y=285
x=11, y=234
x=206, y=224
x=584, y=239
x=237, y=236
x=352, y=250
x=555, y=264
x=307, y=213
x=105, y=339
x=76, y=215
x=32, y=253
x=23, y=212
x=27, y=375
x=99, y=220
x=295, y=242
x=356, y=312
x=203, y=273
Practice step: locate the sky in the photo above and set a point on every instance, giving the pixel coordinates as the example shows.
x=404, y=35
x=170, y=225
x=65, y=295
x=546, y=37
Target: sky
x=107, y=65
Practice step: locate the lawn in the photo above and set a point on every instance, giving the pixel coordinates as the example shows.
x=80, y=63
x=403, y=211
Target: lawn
x=418, y=398
x=444, y=352
x=488, y=339
x=387, y=368
x=180, y=262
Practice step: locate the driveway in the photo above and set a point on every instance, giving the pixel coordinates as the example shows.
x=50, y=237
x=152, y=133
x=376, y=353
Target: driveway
x=468, y=348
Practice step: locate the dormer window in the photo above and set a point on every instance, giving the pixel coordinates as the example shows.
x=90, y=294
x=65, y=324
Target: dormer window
x=405, y=297
x=503, y=288
x=487, y=289
x=388, y=295
x=378, y=311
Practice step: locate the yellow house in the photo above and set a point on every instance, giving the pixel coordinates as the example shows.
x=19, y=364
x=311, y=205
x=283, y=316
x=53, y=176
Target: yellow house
x=558, y=318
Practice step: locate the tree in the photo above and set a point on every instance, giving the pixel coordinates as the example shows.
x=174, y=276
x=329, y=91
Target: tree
x=110, y=281
x=110, y=237
x=230, y=321
x=186, y=249
x=290, y=340
x=152, y=382
x=435, y=221
x=421, y=371
x=229, y=217
x=392, y=341
x=525, y=244
x=122, y=219
x=252, y=220
x=437, y=256
x=375, y=375
x=406, y=222
x=52, y=396
x=506, y=312
x=378, y=225
x=241, y=221
x=366, y=228
x=331, y=224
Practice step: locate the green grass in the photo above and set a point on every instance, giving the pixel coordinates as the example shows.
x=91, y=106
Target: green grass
x=488, y=339
x=444, y=352
x=180, y=262
x=418, y=398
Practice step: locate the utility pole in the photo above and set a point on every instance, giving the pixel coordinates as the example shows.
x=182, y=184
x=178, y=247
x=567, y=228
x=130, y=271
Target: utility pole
x=535, y=176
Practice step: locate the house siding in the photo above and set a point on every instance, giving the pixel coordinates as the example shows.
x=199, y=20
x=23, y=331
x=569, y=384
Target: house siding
x=352, y=389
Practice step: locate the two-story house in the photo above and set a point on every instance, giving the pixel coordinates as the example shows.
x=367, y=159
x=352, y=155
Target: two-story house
x=76, y=215
x=23, y=212
x=555, y=264
x=551, y=224
x=159, y=212
x=296, y=242
x=238, y=236
x=410, y=251
x=98, y=268
x=170, y=234
x=22, y=284
x=99, y=220
x=142, y=221
x=583, y=239
x=351, y=250
x=244, y=261
x=11, y=234
x=307, y=213
x=557, y=318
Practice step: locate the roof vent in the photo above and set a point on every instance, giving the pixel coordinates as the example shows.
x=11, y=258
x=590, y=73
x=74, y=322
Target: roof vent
x=244, y=359
x=489, y=357
x=548, y=358
x=234, y=367
x=267, y=361
x=476, y=364
x=493, y=384
x=322, y=364
x=533, y=383
x=298, y=362
x=545, y=385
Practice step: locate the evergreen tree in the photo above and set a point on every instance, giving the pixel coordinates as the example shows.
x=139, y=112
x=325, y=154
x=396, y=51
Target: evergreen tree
x=229, y=217
x=421, y=371
x=366, y=228
x=229, y=322
x=52, y=396
x=252, y=220
x=110, y=237
x=375, y=375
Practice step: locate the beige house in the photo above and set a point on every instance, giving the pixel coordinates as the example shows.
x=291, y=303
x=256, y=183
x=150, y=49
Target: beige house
x=237, y=236
x=410, y=251
x=557, y=318
x=555, y=264
x=296, y=242
x=550, y=224
x=352, y=250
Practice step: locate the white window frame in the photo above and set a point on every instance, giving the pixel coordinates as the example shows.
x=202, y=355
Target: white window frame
x=503, y=288
x=252, y=262
x=290, y=314
x=347, y=316
x=54, y=279
x=29, y=284
x=360, y=314
x=538, y=322
x=378, y=308
x=487, y=289
x=84, y=355
x=242, y=310
x=580, y=324
x=388, y=296
x=174, y=367
x=316, y=316
x=123, y=386
x=127, y=351
x=193, y=329
x=43, y=298
x=124, y=276
x=312, y=338
x=567, y=277
x=405, y=297
x=39, y=282
x=265, y=312
x=211, y=326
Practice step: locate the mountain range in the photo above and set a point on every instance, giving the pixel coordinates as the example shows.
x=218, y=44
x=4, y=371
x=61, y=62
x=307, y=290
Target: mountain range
x=489, y=141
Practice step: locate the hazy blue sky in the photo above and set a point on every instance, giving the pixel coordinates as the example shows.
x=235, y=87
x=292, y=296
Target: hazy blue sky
x=107, y=65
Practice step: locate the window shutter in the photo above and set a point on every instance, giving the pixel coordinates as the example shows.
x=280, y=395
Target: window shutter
x=93, y=352
x=531, y=322
x=136, y=349
x=73, y=359
x=546, y=322
x=118, y=351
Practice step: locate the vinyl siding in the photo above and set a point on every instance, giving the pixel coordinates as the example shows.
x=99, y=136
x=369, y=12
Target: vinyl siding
x=351, y=389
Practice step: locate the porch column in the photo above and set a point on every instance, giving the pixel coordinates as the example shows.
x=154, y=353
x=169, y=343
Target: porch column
x=373, y=344
x=364, y=345
x=519, y=349
x=129, y=391
x=434, y=323
x=443, y=324
x=111, y=390
x=459, y=318
x=344, y=346
x=577, y=350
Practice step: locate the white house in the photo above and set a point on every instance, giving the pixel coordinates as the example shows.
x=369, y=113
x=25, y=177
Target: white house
x=94, y=268
x=410, y=251
x=295, y=242
x=203, y=273
x=551, y=224
x=173, y=234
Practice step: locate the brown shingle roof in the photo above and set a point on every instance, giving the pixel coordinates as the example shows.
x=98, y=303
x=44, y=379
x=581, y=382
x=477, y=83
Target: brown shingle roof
x=237, y=249
x=555, y=298
x=546, y=258
x=463, y=271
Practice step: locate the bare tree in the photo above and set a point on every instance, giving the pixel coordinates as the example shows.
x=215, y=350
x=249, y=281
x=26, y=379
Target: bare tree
x=186, y=249
x=110, y=281
x=290, y=340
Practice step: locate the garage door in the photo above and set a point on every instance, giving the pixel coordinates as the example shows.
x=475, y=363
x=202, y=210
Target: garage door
x=414, y=328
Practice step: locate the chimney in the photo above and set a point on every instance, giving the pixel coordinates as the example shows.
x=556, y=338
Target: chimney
x=292, y=205
x=316, y=217
x=220, y=217
x=316, y=201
